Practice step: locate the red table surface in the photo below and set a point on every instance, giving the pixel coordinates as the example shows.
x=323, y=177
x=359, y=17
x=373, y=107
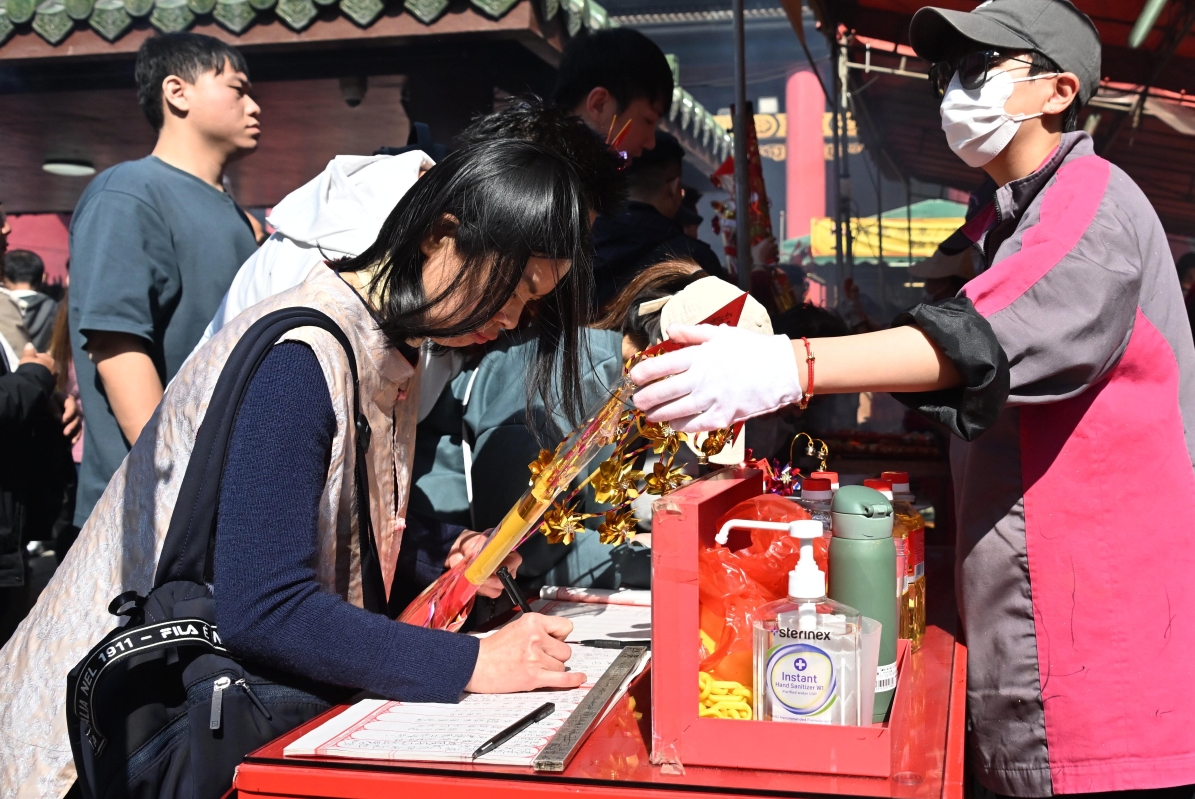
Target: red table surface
x=614, y=761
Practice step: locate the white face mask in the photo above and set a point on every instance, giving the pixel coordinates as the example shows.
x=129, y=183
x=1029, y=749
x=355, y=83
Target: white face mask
x=976, y=124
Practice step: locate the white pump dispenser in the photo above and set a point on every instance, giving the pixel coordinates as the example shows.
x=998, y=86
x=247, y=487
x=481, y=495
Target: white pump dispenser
x=806, y=581
x=806, y=649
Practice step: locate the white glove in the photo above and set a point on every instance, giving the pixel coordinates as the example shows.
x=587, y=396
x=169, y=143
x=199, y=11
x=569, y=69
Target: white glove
x=729, y=374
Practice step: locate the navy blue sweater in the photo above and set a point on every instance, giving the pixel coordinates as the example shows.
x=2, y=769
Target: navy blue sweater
x=269, y=607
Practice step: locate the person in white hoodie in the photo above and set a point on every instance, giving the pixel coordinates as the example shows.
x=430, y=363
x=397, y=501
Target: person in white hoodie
x=335, y=215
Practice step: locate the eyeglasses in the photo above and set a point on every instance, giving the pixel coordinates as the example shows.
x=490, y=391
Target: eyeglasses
x=972, y=70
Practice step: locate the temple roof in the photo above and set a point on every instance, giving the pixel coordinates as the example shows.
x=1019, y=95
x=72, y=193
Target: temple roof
x=76, y=100
x=54, y=20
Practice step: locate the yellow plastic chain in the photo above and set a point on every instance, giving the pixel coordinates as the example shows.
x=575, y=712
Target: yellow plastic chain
x=723, y=699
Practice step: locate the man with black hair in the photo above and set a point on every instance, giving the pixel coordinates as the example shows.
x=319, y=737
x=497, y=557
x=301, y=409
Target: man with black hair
x=531, y=119
x=647, y=232
x=24, y=274
x=155, y=243
x=619, y=82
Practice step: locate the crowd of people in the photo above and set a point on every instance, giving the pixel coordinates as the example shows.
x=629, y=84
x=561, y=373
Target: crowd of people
x=488, y=297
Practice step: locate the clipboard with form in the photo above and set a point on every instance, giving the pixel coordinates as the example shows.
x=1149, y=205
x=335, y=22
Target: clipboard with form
x=379, y=729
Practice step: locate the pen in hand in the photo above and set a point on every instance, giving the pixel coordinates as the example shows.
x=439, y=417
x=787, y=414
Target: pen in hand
x=512, y=589
x=534, y=717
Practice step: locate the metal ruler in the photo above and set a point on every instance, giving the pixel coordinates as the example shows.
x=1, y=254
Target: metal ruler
x=568, y=739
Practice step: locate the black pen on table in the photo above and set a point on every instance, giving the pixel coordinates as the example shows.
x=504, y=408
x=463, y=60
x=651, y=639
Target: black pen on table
x=610, y=643
x=512, y=589
x=534, y=717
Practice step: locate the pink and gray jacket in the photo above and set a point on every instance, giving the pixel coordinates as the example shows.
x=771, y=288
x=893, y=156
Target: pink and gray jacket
x=1074, y=486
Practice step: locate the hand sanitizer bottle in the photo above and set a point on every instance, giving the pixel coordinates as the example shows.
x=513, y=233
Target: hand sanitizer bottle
x=807, y=648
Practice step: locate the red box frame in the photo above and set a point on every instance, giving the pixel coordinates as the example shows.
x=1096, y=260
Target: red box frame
x=682, y=522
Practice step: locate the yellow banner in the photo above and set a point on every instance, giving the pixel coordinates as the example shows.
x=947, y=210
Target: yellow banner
x=927, y=235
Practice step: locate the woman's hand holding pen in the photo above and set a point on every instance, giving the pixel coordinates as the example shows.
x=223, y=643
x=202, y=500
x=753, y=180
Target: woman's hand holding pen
x=526, y=654
x=466, y=546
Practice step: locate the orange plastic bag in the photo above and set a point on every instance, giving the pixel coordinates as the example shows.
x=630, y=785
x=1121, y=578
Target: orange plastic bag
x=732, y=584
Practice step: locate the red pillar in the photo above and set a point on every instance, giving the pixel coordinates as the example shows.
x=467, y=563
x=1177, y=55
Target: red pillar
x=805, y=169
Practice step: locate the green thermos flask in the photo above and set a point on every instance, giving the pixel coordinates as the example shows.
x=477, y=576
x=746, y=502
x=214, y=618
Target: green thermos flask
x=863, y=574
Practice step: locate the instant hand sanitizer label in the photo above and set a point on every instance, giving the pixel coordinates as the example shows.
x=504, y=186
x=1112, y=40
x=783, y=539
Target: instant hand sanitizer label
x=801, y=680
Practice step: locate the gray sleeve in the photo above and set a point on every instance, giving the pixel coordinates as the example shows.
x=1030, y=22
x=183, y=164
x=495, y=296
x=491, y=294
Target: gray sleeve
x=124, y=248
x=1066, y=330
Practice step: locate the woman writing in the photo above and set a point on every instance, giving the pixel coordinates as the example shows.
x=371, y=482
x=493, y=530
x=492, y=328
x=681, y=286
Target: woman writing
x=493, y=227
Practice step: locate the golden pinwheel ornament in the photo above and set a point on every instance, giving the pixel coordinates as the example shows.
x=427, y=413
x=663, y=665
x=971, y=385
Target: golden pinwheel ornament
x=665, y=478
x=561, y=524
x=662, y=437
x=617, y=526
x=616, y=481
x=716, y=441
x=542, y=464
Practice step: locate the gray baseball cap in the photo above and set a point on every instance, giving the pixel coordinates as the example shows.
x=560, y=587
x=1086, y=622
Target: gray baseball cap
x=1054, y=28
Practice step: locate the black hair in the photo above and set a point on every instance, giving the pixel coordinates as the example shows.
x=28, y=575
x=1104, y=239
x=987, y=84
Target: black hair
x=511, y=200
x=1043, y=65
x=23, y=266
x=647, y=173
x=622, y=61
x=531, y=119
x=187, y=55
x=653, y=283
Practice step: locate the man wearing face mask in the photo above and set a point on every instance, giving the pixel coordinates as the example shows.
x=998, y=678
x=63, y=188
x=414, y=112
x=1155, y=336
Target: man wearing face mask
x=1066, y=369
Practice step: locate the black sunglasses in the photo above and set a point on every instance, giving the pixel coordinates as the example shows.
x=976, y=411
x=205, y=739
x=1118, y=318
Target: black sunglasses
x=972, y=69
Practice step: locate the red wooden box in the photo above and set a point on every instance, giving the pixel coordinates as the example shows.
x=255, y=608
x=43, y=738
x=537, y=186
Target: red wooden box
x=683, y=522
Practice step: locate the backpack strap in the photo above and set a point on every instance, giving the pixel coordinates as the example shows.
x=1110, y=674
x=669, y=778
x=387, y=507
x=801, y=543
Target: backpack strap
x=190, y=540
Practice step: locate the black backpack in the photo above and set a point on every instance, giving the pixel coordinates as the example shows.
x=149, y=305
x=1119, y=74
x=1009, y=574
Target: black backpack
x=160, y=708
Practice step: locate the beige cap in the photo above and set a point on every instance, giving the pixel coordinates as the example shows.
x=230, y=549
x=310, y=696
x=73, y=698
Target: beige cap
x=697, y=301
x=703, y=297
x=941, y=265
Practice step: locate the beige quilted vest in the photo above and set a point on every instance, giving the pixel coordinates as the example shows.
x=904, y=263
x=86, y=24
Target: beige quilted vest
x=118, y=548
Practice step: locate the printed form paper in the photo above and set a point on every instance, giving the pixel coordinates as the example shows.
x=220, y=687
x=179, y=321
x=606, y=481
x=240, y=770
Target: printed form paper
x=379, y=729
x=601, y=596
x=592, y=621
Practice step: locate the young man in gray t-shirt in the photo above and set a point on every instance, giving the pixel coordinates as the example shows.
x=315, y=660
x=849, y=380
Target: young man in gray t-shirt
x=155, y=243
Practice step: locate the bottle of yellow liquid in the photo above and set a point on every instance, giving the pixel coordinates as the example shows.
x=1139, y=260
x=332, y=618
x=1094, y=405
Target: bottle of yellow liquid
x=912, y=616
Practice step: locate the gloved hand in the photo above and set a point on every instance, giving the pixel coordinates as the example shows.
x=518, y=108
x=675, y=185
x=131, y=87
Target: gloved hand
x=727, y=375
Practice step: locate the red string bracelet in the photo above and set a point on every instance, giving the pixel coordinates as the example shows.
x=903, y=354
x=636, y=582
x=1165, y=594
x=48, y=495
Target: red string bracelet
x=803, y=403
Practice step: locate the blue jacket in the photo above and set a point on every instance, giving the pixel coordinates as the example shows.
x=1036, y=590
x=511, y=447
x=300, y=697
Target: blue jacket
x=493, y=424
